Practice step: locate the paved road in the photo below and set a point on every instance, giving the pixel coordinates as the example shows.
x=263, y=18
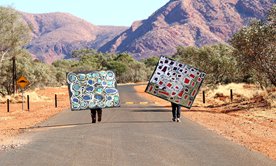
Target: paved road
x=131, y=135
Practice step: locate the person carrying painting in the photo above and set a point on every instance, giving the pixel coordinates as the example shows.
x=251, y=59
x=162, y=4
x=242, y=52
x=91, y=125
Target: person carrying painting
x=94, y=111
x=176, y=111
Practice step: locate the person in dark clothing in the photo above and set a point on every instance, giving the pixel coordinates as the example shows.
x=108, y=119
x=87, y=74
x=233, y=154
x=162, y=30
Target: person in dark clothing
x=93, y=114
x=176, y=111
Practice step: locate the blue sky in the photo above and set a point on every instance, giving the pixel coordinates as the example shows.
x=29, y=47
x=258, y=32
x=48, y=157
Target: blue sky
x=98, y=12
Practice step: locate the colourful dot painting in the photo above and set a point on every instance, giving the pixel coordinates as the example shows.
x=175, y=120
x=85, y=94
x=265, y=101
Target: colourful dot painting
x=175, y=82
x=90, y=90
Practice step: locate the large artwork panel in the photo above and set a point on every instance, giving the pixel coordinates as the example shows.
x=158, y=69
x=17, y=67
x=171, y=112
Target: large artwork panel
x=175, y=82
x=95, y=89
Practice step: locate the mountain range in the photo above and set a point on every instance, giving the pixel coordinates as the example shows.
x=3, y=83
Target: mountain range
x=177, y=23
x=56, y=35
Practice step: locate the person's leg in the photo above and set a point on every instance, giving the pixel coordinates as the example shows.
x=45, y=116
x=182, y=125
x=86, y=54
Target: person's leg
x=93, y=115
x=99, y=115
x=178, y=113
x=173, y=111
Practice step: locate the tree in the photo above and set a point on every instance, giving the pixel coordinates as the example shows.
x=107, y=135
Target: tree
x=255, y=48
x=125, y=58
x=38, y=73
x=138, y=72
x=14, y=34
x=118, y=67
x=62, y=67
x=126, y=68
x=151, y=62
x=216, y=60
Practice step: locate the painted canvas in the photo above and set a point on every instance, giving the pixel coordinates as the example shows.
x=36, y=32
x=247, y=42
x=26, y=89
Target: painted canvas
x=175, y=82
x=95, y=89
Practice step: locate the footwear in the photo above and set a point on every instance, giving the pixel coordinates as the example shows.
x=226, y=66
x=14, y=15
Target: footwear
x=178, y=120
x=173, y=119
x=99, y=118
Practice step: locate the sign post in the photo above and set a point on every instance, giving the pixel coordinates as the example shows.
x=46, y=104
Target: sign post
x=22, y=82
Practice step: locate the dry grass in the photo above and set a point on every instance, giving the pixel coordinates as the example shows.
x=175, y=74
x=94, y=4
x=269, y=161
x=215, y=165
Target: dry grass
x=244, y=90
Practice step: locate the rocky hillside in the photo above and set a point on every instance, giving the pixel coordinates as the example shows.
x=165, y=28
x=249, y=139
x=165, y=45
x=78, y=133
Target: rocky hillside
x=187, y=23
x=55, y=35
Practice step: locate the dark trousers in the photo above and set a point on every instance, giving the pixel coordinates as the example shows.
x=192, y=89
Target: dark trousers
x=176, y=110
x=93, y=114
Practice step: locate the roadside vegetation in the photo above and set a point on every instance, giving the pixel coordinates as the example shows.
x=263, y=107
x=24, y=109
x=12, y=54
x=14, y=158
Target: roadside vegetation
x=250, y=57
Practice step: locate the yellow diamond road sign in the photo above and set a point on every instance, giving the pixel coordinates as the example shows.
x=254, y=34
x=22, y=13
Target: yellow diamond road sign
x=22, y=82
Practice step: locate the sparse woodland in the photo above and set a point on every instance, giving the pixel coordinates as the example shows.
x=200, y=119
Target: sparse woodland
x=250, y=57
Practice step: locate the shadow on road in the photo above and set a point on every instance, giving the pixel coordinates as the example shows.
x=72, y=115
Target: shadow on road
x=138, y=122
x=151, y=110
x=56, y=126
x=79, y=124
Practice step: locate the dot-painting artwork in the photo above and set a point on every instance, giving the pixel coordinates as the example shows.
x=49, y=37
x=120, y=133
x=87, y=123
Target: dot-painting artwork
x=91, y=90
x=175, y=82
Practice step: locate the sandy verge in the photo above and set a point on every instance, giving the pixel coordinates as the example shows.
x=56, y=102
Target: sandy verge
x=42, y=106
x=248, y=122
